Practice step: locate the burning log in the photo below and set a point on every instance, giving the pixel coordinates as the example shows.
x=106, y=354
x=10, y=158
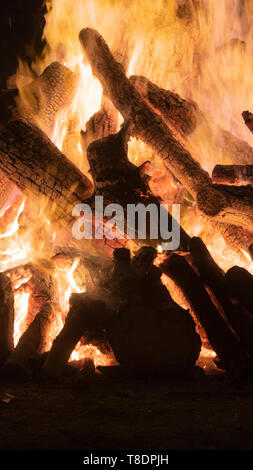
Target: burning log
x=213, y=277
x=35, y=165
x=101, y=124
x=48, y=94
x=233, y=174
x=6, y=317
x=147, y=125
x=227, y=203
x=31, y=344
x=119, y=181
x=185, y=117
x=176, y=112
x=86, y=313
x=240, y=284
x=220, y=336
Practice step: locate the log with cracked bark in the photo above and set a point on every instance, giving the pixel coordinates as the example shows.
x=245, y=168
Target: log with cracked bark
x=233, y=174
x=231, y=204
x=184, y=116
x=101, y=124
x=220, y=336
x=30, y=159
x=147, y=125
x=47, y=95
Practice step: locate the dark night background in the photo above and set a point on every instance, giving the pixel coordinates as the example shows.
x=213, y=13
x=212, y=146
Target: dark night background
x=21, y=27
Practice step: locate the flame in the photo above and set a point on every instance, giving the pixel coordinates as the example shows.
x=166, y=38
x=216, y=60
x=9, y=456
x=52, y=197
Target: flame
x=201, y=50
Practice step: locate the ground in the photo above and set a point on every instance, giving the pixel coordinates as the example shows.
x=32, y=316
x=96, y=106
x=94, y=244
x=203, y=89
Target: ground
x=206, y=413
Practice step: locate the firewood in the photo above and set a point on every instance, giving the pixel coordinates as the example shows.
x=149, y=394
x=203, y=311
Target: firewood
x=176, y=111
x=48, y=94
x=150, y=334
x=147, y=125
x=35, y=165
x=86, y=313
x=31, y=344
x=220, y=336
x=233, y=174
x=120, y=181
x=184, y=116
x=231, y=204
x=240, y=284
x=213, y=277
x=6, y=317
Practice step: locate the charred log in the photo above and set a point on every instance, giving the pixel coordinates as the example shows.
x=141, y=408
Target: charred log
x=101, y=124
x=240, y=284
x=213, y=277
x=119, y=181
x=6, y=317
x=31, y=344
x=220, y=336
x=229, y=204
x=42, y=99
x=147, y=125
x=86, y=313
x=233, y=174
x=35, y=165
x=184, y=116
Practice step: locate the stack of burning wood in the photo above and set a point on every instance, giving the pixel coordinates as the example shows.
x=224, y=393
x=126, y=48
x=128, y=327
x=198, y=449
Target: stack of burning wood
x=150, y=333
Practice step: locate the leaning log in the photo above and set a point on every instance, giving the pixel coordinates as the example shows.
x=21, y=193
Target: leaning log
x=185, y=117
x=121, y=182
x=240, y=284
x=6, y=317
x=229, y=204
x=233, y=174
x=31, y=344
x=213, y=277
x=220, y=336
x=147, y=125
